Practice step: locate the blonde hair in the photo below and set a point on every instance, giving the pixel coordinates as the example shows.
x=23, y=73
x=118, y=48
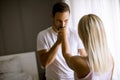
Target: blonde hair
x=91, y=32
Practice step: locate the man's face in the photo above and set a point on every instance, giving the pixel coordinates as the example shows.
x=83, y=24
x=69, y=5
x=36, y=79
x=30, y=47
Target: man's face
x=61, y=19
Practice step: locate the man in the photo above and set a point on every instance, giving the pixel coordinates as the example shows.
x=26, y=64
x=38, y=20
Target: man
x=49, y=45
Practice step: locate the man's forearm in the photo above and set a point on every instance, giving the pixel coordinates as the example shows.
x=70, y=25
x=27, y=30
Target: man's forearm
x=48, y=56
x=52, y=53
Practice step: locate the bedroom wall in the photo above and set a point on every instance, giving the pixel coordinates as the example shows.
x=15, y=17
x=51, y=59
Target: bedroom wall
x=20, y=22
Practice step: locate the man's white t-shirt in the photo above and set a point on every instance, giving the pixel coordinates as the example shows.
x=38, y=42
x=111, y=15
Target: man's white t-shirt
x=58, y=70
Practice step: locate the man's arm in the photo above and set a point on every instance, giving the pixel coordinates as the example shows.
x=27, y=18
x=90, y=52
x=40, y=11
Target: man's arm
x=47, y=56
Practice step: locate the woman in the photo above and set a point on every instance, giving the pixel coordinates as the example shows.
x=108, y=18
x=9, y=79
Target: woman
x=98, y=64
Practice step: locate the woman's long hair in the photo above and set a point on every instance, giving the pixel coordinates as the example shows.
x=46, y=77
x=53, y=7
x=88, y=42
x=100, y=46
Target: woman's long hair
x=92, y=33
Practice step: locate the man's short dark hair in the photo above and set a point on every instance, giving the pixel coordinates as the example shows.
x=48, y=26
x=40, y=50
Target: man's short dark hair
x=60, y=7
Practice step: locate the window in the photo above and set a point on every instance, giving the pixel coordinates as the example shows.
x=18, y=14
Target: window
x=109, y=12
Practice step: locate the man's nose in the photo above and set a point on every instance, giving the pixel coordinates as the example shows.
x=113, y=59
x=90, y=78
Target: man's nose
x=63, y=24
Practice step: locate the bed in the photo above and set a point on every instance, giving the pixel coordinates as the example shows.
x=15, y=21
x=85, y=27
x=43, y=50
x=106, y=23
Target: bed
x=22, y=66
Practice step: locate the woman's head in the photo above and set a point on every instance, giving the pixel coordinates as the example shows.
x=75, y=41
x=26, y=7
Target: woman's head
x=92, y=34
x=91, y=30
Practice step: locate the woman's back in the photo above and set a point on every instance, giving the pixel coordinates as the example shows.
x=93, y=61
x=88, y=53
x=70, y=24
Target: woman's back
x=97, y=76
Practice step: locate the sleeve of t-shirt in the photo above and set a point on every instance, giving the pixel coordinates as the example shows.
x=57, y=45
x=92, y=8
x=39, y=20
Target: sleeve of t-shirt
x=41, y=44
x=80, y=44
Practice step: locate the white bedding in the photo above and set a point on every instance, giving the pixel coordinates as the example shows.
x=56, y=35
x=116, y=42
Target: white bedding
x=11, y=69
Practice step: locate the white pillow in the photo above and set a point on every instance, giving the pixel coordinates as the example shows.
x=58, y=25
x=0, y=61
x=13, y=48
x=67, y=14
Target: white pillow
x=10, y=65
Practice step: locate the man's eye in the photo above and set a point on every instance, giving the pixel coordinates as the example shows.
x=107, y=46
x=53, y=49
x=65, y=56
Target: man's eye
x=66, y=20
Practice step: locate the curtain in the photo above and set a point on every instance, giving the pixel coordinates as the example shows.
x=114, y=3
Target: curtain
x=109, y=12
